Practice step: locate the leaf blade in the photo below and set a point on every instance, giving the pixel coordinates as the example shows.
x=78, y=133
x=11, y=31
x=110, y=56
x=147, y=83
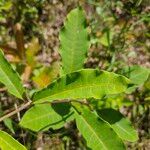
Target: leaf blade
x=8, y=142
x=85, y=83
x=137, y=74
x=10, y=78
x=98, y=134
x=120, y=125
x=74, y=41
x=42, y=116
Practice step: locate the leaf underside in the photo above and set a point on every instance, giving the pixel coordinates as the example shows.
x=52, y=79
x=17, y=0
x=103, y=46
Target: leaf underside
x=10, y=78
x=74, y=41
x=85, y=83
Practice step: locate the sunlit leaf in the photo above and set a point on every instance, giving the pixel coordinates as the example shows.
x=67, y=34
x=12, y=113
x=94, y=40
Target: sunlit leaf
x=119, y=123
x=7, y=142
x=44, y=116
x=10, y=78
x=86, y=83
x=97, y=133
x=137, y=74
x=74, y=41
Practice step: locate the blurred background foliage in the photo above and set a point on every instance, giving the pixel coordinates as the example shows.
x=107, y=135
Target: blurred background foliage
x=120, y=42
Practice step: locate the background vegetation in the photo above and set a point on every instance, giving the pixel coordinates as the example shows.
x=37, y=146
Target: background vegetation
x=119, y=36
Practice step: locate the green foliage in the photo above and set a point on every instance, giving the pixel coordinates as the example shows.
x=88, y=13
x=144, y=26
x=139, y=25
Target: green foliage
x=8, y=123
x=98, y=134
x=82, y=84
x=43, y=116
x=74, y=41
x=120, y=125
x=5, y=6
x=9, y=143
x=106, y=38
x=10, y=78
x=104, y=130
x=137, y=74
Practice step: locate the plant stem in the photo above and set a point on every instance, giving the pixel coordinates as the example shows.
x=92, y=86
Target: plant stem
x=22, y=107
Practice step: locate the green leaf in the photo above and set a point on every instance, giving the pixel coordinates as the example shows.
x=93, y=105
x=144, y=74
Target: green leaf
x=97, y=133
x=7, y=142
x=44, y=116
x=10, y=78
x=5, y=5
x=74, y=41
x=137, y=74
x=120, y=125
x=8, y=123
x=106, y=38
x=86, y=83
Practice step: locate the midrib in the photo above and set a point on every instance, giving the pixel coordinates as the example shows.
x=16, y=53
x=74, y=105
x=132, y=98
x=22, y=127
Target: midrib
x=65, y=91
x=94, y=133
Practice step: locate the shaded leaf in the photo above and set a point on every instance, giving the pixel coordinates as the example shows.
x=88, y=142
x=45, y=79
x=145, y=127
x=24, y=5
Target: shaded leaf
x=74, y=41
x=10, y=78
x=86, y=83
x=121, y=125
x=9, y=125
x=7, y=142
x=7, y=121
x=97, y=133
x=44, y=116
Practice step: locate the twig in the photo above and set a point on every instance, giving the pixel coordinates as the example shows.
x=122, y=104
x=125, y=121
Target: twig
x=18, y=114
x=20, y=41
x=22, y=107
